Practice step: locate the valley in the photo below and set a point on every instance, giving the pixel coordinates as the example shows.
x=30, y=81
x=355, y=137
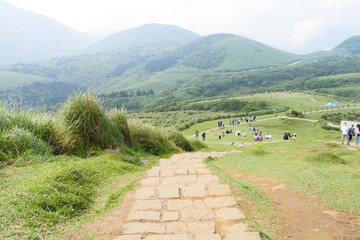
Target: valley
x=125, y=137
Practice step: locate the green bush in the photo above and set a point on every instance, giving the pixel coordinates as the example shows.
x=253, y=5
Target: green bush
x=180, y=141
x=149, y=139
x=83, y=116
x=83, y=124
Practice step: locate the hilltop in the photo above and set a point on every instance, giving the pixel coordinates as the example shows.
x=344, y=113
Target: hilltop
x=147, y=37
x=26, y=36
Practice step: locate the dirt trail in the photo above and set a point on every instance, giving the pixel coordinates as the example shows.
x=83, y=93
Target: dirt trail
x=302, y=218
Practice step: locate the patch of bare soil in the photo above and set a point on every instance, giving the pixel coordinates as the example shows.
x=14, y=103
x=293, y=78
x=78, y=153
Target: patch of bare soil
x=107, y=227
x=302, y=217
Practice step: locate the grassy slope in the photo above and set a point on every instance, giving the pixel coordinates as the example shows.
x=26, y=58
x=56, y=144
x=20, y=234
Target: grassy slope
x=242, y=53
x=315, y=163
x=94, y=180
x=13, y=79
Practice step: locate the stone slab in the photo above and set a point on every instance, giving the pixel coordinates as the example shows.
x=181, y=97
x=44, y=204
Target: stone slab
x=169, y=237
x=219, y=190
x=144, y=215
x=145, y=193
x=154, y=172
x=203, y=171
x=208, y=237
x=176, y=228
x=208, y=179
x=194, y=191
x=196, y=214
x=201, y=227
x=148, y=205
x=166, y=172
x=229, y=214
x=141, y=228
x=220, y=202
x=188, y=179
x=150, y=181
x=181, y=171
x=170, y=191
x=179, y=204
x=170, y=216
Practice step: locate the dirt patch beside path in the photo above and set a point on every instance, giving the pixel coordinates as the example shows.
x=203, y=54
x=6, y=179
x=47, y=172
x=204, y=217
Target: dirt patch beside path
x=302, y=217
x=106, y=227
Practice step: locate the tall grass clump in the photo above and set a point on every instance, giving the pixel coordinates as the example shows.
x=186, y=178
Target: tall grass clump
x=24, y=133
x=119, y=122
x=17, y=141
x=180, y=141
x=84, y=124
x=197, y=144
x=150, y=139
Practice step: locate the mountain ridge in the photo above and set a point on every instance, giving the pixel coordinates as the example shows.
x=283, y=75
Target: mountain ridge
x=26, y=36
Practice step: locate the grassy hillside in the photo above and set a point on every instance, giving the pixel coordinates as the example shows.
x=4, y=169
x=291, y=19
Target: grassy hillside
x=62, y=168
x=9, y=80
x=149, y=36
x=349, y=46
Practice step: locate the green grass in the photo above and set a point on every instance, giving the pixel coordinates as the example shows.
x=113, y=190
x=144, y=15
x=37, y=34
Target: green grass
x=314, y=164
x=39, y=199
x=10, y=80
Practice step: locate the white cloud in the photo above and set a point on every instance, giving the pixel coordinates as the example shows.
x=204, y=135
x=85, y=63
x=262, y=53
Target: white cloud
x=305, y=31
x=288, y=25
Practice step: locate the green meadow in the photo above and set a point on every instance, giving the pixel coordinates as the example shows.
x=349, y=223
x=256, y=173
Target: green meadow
x=314, y=164
x=14, y=79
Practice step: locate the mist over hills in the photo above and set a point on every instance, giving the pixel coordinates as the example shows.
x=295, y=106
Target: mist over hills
x=164, y=60
x=26, y=36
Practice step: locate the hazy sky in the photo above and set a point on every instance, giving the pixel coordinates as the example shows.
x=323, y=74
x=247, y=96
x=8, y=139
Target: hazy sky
x=298, y=26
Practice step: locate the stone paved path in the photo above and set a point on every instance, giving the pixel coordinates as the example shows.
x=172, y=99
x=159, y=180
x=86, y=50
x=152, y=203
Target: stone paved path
x=182, y=200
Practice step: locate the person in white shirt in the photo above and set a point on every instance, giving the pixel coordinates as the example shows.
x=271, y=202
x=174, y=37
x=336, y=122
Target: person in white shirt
x=344, y=134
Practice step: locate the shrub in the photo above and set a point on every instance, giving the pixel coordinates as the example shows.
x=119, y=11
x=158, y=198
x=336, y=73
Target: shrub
x=149, y=139
x=83, y=117
x=83, y=124
x=180, y=141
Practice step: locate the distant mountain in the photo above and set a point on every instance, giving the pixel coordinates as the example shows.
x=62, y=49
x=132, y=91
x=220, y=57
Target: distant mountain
x=26, y=36
x=149, y=36
x=199, y=60
x=349, y=46
x=228, y=52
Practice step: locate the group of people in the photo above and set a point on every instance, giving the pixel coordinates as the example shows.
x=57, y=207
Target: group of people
x=288, y=136
x=347, y=133
x=246, y=120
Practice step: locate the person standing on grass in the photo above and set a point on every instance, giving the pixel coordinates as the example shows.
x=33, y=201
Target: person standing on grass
x=196, y=133
x=344, y=134
x=357, y=134
x=351, y=132
x=203, y=136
